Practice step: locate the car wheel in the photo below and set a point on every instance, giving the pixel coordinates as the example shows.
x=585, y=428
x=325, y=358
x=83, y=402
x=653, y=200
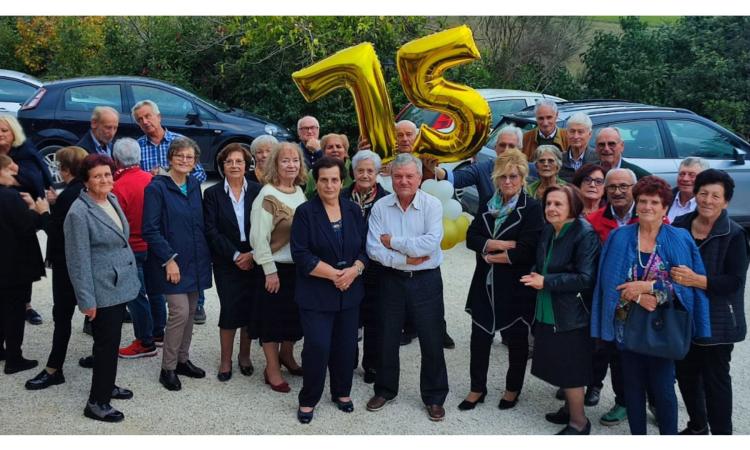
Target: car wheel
x=48, y=155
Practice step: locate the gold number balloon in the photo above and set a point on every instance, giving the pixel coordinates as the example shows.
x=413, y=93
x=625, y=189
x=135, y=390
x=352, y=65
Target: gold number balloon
x=421, y=64
x=357, y=69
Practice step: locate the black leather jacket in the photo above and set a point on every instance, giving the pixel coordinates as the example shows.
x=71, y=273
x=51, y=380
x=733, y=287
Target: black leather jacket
x=571, y=273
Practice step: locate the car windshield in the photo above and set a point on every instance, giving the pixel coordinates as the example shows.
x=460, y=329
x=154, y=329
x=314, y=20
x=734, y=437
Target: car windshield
x=212, y=103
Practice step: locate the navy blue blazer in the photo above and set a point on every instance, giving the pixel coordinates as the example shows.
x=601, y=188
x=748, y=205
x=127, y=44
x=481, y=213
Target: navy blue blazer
x=313, y=240
x=87, y=143
x=33, y=173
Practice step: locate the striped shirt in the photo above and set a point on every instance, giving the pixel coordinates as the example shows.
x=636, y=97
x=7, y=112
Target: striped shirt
x=155, y=155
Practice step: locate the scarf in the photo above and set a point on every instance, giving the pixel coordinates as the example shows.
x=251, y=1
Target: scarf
x=499, y=210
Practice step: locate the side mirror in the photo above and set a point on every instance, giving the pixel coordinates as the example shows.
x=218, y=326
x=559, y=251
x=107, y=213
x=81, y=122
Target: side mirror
x=739, y=156
x=193, y=119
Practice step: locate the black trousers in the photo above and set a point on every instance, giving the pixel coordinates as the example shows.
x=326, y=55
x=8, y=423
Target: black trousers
x=63, y=307
x=517, y=338
x=13, y=320
x=330, y=342
x=421, y=295
x=706, y=387
x=371, y=337
x=606, y=355
x=107, y=328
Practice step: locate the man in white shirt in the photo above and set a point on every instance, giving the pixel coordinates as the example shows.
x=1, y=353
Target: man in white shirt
x=405, y=230
x=684, y=199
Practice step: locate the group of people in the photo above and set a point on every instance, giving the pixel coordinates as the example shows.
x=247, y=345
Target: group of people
x=305, y=243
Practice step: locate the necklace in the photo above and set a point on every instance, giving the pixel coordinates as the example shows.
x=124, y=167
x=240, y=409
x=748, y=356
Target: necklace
x=640, y=262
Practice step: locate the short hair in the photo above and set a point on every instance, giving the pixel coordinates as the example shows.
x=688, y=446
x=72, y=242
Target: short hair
x=19, y=137
x=96, y=114
x=507, y=160
x=264, y=139
x=409, y=123
x=183, y=142
x=715, y=176
x=585, y=171
x=70, y=159
x=572, y=194
x=6, y=161
x=545, y=102
x=234, y=147
x=127, y=152
x=141, y=104
x=403, y=159
x=317, y=124
x=324, y=140
x=695, y=161
x=515, y=131
x=271, y=170
x=653, y=185
x=92, y=161
x=611, y=172
x=364, y=155
x=542, y=149
x=326, y=162
x=580, y=118
x=615, y=129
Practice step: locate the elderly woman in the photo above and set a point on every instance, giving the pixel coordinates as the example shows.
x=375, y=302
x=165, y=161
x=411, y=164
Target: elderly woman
x=69, y=160
x=177, y=264
x=277, y=316
x=334, y=146
x=20, y=265
x=566, y=260
x=227, y=208
x=328, y=247
x=260, y=148
x=634, y=272
x=504, y=239
x=703, y=375
x=589, y=179
x=365, y=191
x=548, y=161
x=104, y=276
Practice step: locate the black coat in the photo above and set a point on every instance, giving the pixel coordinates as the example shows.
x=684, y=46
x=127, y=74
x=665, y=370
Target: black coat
x=497, y=305
x=55, y=235
x=571, y=272
x=725, y=255
x=87, y=143
x=20, y=256
x=33, y=174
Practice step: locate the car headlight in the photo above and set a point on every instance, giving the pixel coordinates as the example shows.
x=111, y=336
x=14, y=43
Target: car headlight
x=273, y=130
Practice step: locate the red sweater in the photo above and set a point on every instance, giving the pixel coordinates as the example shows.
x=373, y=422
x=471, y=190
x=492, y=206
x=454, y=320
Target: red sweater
x=129, y=186
x=603, y=222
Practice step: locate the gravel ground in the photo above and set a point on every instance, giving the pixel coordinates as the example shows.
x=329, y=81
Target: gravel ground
x=245, y=405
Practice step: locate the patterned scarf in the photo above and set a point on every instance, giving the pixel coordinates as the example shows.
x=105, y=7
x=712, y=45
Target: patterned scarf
x=365, y=200
x=499, y=210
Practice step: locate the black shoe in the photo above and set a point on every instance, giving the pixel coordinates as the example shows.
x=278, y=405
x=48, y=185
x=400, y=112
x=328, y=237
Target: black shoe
x=224, y=376
x=561, y=417
x=370, y=376
x=406, y=338
x=127, y=318
x=245, y=370
x=102, y=411
x=448, y=341
x=200, y=316
x=119, y=393
x=347, y=407
x=466, y=405
x=45, y=379
x=87, y=326
x=20, y=366
x=189, y=370
x=33, y=317
x=560, y=394
x=305, y=417
x=568, y=430
x=690, y=431
x=508, y=404
x=87, y=362
x=169, y=379
x=593, y=394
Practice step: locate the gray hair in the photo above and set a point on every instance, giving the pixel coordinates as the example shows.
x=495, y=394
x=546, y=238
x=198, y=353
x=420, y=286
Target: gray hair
x=545, y=102
x=695, y=161
x=615, y=129
x=366, y=155
x=411, y=125
x=183, y=142
x=96, y=114
x=580, y=118
x=542, y=149
x=127, y=152
x=265, y=139
x=317, y=124
x=515, y=131
x=404, y=159
x=609, y=174
x=143, y=103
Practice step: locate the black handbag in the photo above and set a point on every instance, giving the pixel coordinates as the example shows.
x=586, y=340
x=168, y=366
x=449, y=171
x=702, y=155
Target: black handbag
x=665, y=332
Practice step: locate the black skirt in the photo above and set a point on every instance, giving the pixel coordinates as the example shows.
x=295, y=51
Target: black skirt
x=277, y=315
x=237, y=293
x=562, y=359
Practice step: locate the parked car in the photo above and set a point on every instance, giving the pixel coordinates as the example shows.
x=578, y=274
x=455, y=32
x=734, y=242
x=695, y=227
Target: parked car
x=656, y=139
x=59, y=114
x=15, y=88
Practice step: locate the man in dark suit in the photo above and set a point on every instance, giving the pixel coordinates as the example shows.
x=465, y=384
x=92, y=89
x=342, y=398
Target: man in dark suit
x=101, y=136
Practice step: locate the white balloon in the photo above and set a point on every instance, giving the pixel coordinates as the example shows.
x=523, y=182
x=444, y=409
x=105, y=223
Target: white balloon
x=429, y=185
x=451, y=209
x=443, y=190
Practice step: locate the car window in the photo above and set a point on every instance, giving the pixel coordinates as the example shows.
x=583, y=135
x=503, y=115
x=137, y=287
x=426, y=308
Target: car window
x=696, y=139
x=641, y=137
x=502, y=107
x=14, y=91
x=170, y=105
x=419, y=115
x=86, y=98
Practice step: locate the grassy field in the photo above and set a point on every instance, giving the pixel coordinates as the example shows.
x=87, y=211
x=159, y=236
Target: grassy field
x=650, y=20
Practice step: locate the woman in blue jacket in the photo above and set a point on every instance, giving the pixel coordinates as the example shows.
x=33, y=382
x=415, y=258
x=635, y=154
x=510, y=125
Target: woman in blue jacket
x=179, y=261
x=328, y=248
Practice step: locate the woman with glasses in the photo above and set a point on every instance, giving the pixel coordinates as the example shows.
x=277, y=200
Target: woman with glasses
x=590, y=180
x=548, y=161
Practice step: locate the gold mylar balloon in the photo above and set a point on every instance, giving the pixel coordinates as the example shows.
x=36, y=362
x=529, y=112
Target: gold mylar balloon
x=462, y=222
x=357, y=69
x=450, y=234
x=421, y=64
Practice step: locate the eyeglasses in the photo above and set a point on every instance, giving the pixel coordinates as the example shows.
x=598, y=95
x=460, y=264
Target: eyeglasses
x=543, y=162
x=618, y=187
x=512, y=178
x=312, y=128
x=594, y=181
x=184, y=157
x=234, y=162
x=607, y=144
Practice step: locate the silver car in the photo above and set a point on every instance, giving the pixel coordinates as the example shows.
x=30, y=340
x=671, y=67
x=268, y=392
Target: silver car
x=15, y=88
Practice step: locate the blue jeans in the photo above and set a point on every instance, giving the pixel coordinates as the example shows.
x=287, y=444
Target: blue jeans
x=642, y=373
x=149, y=312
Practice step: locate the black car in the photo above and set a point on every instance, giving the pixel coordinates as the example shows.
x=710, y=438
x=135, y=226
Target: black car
x=59, y=114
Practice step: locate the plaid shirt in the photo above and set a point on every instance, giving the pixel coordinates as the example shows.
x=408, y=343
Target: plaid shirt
x=156, y=155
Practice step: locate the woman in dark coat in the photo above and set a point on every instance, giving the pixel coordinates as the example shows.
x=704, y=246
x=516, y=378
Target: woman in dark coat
x=226, y=207
x=504, y=238
x=178, y=256
x=703, y=375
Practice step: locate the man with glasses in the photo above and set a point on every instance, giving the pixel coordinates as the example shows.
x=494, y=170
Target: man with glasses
x=609, y=148
x=308, y=130
x=579, y=132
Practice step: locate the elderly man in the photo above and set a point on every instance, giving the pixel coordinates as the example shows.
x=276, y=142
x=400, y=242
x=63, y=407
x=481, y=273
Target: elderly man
x=577, y=154
x=609, y=149
x=148, y=312
x=546, y=131
x=101, y=136
x=684, y=198
x=405, y=230
x=308, y=130
x=156, y=139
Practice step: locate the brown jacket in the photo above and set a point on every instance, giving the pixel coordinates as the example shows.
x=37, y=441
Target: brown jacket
x=530, y=141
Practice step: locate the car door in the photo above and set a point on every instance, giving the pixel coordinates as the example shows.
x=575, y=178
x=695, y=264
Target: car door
x=13, y=93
